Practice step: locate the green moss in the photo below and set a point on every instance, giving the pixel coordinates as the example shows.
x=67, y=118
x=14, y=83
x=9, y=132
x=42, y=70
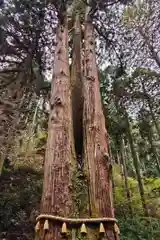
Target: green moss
x=41, y=139
x=79, y=193
x=80, y=199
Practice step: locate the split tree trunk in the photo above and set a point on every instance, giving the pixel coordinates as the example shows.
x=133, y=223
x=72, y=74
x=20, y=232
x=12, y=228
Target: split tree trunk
x=57, y=195
x=96, y=157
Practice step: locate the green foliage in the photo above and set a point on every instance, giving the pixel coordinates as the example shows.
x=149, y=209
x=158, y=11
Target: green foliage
x=77, y=6
x=147, y=72
x=121, y=202
x=137, y=227
x=134, y=15
x=20, y=193
x=134, y=93
x=152, y=193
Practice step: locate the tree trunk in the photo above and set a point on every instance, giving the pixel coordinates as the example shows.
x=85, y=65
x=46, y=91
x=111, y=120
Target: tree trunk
x=112, y=159
x=97, y=164
x=150, y=105
x=153, y=149
x=153, y=117
x=150, y=134
x=128, y=195
x=30, y=133
x=118, y=159
x=136, y=165
x=57, y=194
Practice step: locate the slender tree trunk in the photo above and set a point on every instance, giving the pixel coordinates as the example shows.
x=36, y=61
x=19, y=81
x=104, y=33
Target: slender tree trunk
x=136, y=165
x=97, y=164
x=142, y=159
x=29, y=137
x=32, y=99
x=151, y=110
x=118, y=159
x=150, y=134
x=57, y=194
x=153, y=117
x=110, y=153
x=153, y=149
x=123, y=157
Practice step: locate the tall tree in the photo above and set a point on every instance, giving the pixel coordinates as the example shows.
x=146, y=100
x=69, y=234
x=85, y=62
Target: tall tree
x=57, y=196
x=90, y=139
x=95, y=136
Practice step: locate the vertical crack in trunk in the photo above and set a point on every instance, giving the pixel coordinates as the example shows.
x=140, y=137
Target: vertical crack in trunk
x=77, y=96
x=80, y=188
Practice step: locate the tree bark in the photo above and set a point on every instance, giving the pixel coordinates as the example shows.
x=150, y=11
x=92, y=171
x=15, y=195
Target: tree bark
x=57, y=194
x=97, y=164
